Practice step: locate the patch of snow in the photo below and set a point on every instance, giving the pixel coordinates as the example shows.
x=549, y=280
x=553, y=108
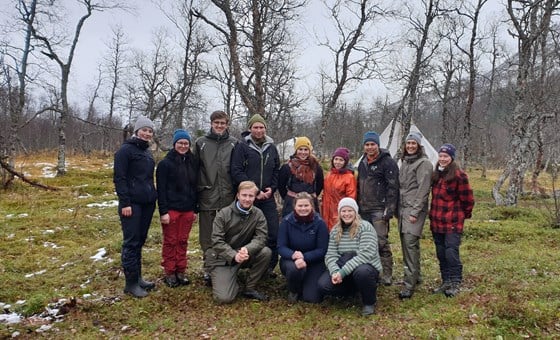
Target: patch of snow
x=492, y=221
x=106, y=204
x=20, y=302
x=20, y=215
x=85, y=196
x=192, y=251
x=10, y=319
x=48, y=231
x=29, y=239
x=84, y=285
x=9, y=215
x=16, y=334
x=99, y=256
x=48, y=172
x=50, y=245
x=86, y=296
x=40, y=272
x=11, y=236
x=43, y=328
x=66, y=264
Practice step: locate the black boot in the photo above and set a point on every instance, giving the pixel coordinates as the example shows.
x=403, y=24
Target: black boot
x=146, y=285
x=132, y=287
x=442, y=288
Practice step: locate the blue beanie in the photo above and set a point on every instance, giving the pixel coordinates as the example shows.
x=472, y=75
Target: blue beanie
x=371, y=136
x=180, y=134
x=448, y=149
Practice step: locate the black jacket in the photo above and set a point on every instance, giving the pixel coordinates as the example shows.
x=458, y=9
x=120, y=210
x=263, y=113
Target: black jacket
x=249, y=162
x=378, y=184
x=174, y=192
x=133, y=173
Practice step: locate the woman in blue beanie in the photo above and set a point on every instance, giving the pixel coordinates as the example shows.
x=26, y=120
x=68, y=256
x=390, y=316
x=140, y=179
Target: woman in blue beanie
x=176, y=177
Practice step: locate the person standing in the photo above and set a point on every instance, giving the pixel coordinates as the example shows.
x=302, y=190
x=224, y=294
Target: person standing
x=238, y=241
x=215, y=187
x=352, y=258
x=302, y=244
x=256, y=159
x=302, y=173
x=176, y=177
x=378, y=192
x=133, y=177
x=340, y=182
x=452, y=203
x=414, y=180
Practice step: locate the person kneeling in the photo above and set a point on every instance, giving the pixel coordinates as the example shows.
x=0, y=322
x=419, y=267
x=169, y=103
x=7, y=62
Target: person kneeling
x=352, y=258
x=239, y=236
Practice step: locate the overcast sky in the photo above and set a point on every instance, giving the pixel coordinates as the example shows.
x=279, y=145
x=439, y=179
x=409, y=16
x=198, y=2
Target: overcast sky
x=140, y=25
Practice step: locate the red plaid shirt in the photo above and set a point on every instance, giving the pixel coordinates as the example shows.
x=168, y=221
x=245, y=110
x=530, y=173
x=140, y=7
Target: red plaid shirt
x=452, y=203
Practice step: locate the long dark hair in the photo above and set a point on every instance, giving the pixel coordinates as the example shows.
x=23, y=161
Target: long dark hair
x=448, y=173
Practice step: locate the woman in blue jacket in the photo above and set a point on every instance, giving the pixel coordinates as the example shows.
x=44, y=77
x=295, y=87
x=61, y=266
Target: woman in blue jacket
x=134, y=182
x=302, y=243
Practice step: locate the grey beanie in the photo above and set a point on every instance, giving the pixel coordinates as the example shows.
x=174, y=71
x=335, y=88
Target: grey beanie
x=143, y=122
x=347, y=202
x=415, y=136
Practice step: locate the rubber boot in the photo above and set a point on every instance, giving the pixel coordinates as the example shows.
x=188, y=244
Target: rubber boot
x=132, y=287
x=146, y=285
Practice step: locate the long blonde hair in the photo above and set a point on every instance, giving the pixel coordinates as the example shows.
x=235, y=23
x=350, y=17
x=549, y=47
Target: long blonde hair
x=354, y=227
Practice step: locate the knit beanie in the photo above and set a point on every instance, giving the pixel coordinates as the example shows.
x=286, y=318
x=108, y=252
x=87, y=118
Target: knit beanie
x=143, y=122
x=347, y=202
x=181, y=134
x=303, y=142
x=257, y=118
x=343, y=153
x=371, y=136
x=448, y=149
x=415, y=136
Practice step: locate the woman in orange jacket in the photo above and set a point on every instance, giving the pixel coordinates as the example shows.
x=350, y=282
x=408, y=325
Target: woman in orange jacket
x=339, y=183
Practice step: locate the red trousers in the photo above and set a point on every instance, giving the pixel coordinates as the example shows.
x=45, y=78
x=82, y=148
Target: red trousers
x=175, y=241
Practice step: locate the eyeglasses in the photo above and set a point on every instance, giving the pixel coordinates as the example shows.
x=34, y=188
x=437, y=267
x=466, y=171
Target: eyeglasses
x=217, y=122
x=182, y=143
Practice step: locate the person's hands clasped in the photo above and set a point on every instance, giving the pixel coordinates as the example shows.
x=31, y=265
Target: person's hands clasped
x=297, y=255
x=336, y=278
x=300, y=263
x=242, y=255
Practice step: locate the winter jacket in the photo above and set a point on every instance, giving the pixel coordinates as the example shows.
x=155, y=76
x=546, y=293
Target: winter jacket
x=232, y=230
x=249, y=162
x=133, y=173
x=338, y=184
x=215, y=188
x=415, y=177
x=364, y=244
x=288, y=181
x=378, y=184
x=452, y=201
x=309, y=238
x=171, y=195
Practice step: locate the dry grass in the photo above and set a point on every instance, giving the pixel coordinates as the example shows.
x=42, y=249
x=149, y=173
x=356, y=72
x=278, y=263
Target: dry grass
x=511, y=289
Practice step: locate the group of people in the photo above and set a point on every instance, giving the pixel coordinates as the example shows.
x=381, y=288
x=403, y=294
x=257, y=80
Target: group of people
x=333, y=236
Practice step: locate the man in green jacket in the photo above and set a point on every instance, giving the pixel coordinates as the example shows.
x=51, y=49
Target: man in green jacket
x=239, y=238
x=215, y=188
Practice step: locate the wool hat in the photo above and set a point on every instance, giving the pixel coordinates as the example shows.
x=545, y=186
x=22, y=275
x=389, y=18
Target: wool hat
x=448, y=149
x=347, y=202
x=303, y=142
x=371, y=136
x=415, y=136
x=181, y=134
x=343, y=153
x=257, y=118
x=143, y=122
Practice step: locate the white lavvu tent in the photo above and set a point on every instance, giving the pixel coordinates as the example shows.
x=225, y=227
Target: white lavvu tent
x=397, y=137
x=286, y=148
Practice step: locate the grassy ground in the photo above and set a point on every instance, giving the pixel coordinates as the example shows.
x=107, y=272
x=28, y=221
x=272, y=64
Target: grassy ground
x=511, y=285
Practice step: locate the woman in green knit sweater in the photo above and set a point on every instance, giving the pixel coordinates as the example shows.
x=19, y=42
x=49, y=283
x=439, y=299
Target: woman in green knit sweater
x=352, y=258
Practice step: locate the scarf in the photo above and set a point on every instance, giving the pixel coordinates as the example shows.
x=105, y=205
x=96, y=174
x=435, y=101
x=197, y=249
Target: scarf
x=304, y=219
x=303, y=169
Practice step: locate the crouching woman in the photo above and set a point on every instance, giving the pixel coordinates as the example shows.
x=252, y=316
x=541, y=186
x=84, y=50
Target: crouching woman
x=302, y=244
x=352, y=258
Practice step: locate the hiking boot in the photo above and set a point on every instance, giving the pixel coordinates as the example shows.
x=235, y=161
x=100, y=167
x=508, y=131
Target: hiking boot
x=255, y=295
x=207, y=280
x=368, y=310
x=171, y=280
x=292, y=297
x=453, y=289
x=442, y=288
x=182, y=279
x=132, y=287
x=405, y=294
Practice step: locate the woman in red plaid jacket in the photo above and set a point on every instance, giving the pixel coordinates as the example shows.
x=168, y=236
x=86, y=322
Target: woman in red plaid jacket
x=452, y=203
